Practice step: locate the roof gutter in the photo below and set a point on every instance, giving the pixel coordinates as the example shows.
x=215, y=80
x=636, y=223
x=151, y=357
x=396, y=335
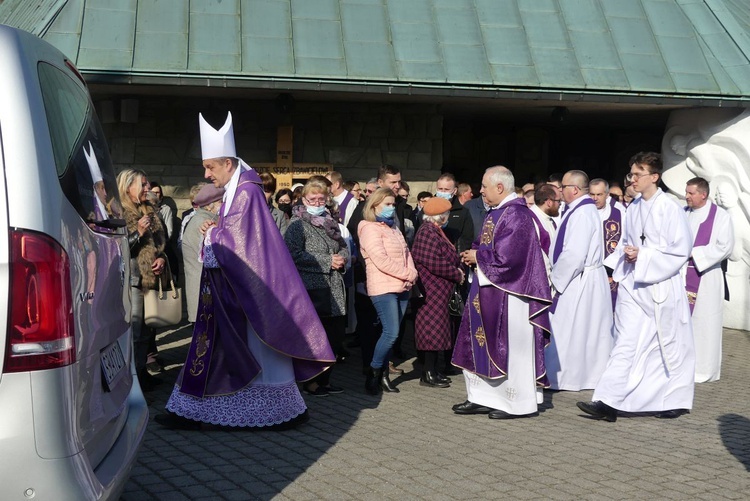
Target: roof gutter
x=287, y=84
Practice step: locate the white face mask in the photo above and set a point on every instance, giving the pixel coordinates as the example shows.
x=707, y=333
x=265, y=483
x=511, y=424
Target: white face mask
x=315, y=210
x=444, y=194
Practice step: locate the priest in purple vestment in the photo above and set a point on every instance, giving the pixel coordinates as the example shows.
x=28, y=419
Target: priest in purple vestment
x=500, y=344
x=256, y=331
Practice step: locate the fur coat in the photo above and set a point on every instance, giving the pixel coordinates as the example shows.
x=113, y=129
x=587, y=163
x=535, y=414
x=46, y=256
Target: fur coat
x=144, y=250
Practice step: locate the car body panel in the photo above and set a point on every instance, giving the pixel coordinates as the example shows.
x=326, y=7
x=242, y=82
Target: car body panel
x=71, y=432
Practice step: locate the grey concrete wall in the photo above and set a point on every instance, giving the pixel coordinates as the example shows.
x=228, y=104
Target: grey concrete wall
x=355, y=137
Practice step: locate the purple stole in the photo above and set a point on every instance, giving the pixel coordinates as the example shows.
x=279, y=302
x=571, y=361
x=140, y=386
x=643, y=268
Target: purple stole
x=560, y=239
x=491, y=304
x=544, y=239
x=344, y=204
x=195, y=372
x=612, y=235
x=693, y=279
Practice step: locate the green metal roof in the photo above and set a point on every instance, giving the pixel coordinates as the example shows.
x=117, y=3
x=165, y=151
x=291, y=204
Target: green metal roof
x=33, y=16
x=667, y=48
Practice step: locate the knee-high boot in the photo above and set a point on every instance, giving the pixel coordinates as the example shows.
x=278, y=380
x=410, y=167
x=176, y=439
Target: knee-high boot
x=385, y=380
x=372, y=383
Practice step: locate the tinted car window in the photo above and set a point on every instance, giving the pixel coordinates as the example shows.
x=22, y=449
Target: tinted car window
x=84, y=167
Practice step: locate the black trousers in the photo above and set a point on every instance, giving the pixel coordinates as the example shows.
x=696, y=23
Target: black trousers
x=368, y=330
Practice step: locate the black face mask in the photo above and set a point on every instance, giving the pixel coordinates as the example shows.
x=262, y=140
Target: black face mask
x=286, y=209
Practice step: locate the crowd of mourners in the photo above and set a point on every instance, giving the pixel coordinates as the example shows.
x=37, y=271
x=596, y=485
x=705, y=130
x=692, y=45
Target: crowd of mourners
x=569, y=283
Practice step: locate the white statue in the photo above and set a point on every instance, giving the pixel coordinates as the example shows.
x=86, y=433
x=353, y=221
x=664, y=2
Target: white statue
x=714, y=143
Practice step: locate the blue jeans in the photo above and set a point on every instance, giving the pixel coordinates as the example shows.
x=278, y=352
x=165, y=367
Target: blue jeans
x=391, y=308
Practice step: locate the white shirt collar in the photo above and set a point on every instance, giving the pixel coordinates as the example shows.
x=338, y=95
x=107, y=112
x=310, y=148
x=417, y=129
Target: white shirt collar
x=340, y=197
x=231, y=188
x=507, y=199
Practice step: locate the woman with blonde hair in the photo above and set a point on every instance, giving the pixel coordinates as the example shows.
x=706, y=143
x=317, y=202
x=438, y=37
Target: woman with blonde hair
x=320, y=253
x=390, y=276
x=147, y=240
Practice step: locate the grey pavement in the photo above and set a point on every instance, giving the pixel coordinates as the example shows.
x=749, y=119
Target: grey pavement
x=411, y=446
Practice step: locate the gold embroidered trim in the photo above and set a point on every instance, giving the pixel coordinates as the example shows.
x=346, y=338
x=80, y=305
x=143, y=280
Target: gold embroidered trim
x=481, y=339
x=692, y=296
x=475, y=303
x=488, y=231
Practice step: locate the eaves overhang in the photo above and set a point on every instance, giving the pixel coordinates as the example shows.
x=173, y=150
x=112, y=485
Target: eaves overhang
x=421, y=89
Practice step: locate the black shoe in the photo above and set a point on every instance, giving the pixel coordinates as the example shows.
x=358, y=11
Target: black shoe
x=443, y=378
x=372, y=383
x=333, y=389
x=672, y=414
x=385, y=381
x=498, y=414
x=599, y=410
x=153, y=368
x=174, y=422
x=471, y=408
x=451, y=371
x=317, y=392
x=430, y=379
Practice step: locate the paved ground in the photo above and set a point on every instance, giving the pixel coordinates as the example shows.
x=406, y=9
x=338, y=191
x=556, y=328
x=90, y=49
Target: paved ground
x=411, y=446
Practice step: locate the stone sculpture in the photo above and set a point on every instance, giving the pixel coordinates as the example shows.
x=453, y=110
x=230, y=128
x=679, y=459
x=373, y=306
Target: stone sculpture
x=714, y=143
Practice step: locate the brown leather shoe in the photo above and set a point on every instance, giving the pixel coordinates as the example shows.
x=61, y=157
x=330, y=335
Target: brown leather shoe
x=394, y=370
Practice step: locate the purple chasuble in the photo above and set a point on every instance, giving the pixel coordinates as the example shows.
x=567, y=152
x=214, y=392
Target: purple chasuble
x=702, y=238
x=344, y=204
x=509, y=255
x=544, y=239
x=560, y=240
x=612, y=235
x=256, y=283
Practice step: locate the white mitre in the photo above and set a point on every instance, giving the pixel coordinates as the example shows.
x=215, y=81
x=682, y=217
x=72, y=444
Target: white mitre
x=217, y=143
x=96, y=176
x=96, y=172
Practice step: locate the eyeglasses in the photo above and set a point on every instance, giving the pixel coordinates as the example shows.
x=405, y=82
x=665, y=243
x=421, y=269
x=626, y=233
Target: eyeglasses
x=635, y=176
x=568, y=186
x=316, y=203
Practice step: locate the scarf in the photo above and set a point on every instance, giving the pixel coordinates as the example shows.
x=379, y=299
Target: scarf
x=324, y=221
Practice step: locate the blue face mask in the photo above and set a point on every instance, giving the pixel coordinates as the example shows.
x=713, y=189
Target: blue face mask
x=387, y=212
x=315, y=211
x=445, y=195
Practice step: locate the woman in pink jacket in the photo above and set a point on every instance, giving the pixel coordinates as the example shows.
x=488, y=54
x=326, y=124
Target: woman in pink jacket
x=390, y=276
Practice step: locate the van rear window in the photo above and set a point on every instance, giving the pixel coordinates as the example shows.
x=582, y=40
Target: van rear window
x=84, y=167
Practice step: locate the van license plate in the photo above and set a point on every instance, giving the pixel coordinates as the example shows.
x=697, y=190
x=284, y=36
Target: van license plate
x=113, y=364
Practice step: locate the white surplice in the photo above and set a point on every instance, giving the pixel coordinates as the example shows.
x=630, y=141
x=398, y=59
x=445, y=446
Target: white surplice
x=709, y=309
x=549, y=226
x=582, y=323
x=516, y=393
x=349, y=208
x=652, y=365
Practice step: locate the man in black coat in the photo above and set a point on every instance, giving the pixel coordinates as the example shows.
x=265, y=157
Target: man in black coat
x=460, y=229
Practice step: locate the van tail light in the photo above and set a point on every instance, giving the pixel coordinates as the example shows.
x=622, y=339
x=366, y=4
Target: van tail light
x=40, y=328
